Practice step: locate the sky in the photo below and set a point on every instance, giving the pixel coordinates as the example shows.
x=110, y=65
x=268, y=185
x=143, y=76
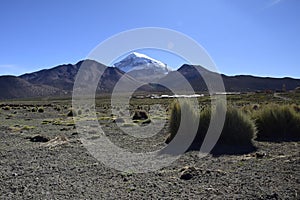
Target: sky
x=256, y=37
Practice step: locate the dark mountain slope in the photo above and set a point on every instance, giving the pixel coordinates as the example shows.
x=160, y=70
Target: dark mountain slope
x=242, y=83
x=60, y=80
x=252, y=83
x=62, y=76
x=15, y=87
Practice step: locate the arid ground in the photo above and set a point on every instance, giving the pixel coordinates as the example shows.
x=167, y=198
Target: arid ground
x=42, y=157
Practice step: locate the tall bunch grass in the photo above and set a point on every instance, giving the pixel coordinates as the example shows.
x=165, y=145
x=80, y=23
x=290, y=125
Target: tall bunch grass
x=238, y=127
x=278, y=122
x=238, y=130
x=189, y=118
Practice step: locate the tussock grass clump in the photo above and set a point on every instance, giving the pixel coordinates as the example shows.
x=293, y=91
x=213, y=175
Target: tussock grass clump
x=191, y=117
x=27, y=127
x=236, y=136
x=277, y=123
x=20, y=128
x=174, y=120
x=250, y=109
x=238, y=129
x=296, y=108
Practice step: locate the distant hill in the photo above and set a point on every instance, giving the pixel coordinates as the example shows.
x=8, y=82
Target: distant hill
x=63, y=76
x=240, y=83
x=251, y=83
x=59, y=81
x=15, y=87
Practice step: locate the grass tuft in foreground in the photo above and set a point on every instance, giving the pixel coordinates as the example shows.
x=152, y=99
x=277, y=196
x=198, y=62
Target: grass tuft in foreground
x=175, y=117
x=238, y=131
x=277, y=123
x=238, y=128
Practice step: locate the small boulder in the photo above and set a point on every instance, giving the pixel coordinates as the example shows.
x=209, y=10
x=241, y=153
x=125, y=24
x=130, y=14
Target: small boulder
x=260, y=155
x=187, y=172
x=255, y=107
x=39, y=138
x=71, y=113
x=140, y=115
x=185, y=175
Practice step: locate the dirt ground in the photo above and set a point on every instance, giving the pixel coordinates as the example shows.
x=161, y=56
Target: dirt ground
x=62, y=168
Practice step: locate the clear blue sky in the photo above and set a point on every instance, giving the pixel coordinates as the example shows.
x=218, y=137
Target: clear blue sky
x=258, y=37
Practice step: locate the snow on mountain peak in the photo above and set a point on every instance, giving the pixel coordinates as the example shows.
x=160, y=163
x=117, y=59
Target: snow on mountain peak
x=138, y=61
x=139, y=55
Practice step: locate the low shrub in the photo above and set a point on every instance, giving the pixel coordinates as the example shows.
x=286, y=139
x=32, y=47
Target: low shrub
x=277, y=123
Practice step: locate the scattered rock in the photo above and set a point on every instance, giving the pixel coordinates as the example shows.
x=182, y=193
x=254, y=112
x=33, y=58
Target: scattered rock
x=6, y=108
x=140, y=115
x=40, y=109
x=255, y=107
x=57, y=141
x=187, y=172
x=39, y=138
x=65, y=129
x=260, y=154
x=271, y=196
x=186, y=175
x=71, y=113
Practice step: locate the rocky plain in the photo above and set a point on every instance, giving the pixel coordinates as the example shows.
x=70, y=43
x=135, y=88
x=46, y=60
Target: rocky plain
x=42, y=157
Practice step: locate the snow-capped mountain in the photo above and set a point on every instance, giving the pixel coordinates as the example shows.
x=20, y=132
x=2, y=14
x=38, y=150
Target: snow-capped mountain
x=142, y=67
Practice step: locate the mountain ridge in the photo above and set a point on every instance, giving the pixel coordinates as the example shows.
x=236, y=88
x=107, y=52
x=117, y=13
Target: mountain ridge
x=59, y=80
